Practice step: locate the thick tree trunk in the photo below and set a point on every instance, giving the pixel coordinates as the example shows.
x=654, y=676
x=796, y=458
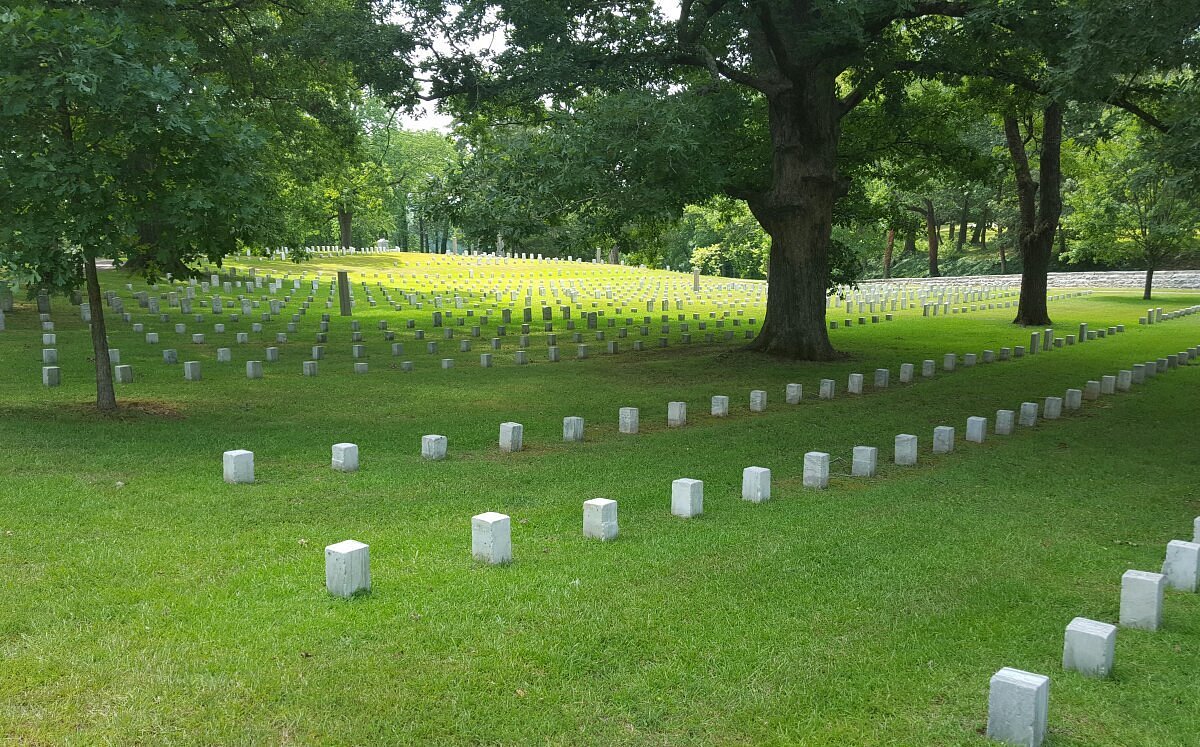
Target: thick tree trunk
x=977, y=234
x=797, y=213
x=966, y=215
x=931, y=234
x=910, y=243
x=1149, y=283
x=1040, y=207
x=614, y=254
x=106, y=397
x=887, y=253
x=344, y=218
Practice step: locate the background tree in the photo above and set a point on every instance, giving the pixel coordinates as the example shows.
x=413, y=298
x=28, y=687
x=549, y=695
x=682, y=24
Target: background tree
x=1133, y=208
x=140, y=131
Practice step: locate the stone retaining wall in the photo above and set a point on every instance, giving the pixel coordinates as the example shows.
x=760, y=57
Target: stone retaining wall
x=1125, y=279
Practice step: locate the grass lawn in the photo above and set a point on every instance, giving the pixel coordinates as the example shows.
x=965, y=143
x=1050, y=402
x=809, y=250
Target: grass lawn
x=148, y=602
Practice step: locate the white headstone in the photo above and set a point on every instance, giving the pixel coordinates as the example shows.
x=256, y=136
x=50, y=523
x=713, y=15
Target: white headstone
x=347, y=568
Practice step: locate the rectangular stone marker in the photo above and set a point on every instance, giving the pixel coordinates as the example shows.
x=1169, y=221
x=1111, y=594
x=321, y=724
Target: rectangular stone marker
x=347, y=568
x=51, y=376
x=720, y=406
x=1091, y=390
x=906, y=450
x=239, y=466
x=948, y=361
x=882, y=378
x=491, y=538
x=1182, y=565
x=1074, y=400
x=1089, y=647
x=793, y=393
x=309, y=368
x=627, y=420
x=191, y=371
x=254, y=369
x=1052, y=408
x=1142, y=599
x=943, y=439
x=854, y=383
x=446, y=363
x=864, y=462
x=927, y=368
x=1108, y=384
x=572, y=429
x=687, y=497
x=1004, y=422
x=758, y=400
x=345, y=458
x=1019, y=351
x=123, y=374
x=826, y=391
x=1029, y=414
x=676, y=414
x=976, y=429
x=224, y=355
x=511, y=435
x=1018, y=707
x=600, y=519
x=1005, y=353
x=1196, y=530
x=756, y=484
x=433, y=447
x=969, y=360
x=906, y=373
x=816, y=470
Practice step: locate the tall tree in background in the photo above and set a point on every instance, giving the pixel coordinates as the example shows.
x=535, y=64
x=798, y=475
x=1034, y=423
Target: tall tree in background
x=140, y=131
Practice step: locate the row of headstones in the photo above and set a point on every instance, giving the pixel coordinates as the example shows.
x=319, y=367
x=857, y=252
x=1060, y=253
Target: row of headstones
x=946, y=309
x=1156, y=315
x=816, y=464
x=1019, y=701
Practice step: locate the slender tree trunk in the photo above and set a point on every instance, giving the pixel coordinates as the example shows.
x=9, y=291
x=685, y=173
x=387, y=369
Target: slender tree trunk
x=1149, y=283
x=910, y=243
x=977, y=234
x=423, y=238
x=931, y=232
x=106, y=396
x=887, y=253
x=1040, y=208
x=962, y=234
x=344, y=218
x=950, y=232
x=797, y=213
x=403, y=227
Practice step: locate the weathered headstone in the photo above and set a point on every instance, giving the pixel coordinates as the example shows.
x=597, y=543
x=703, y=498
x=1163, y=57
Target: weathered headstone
x=600, y=519
x=1089, y=647
x=1018, y=707
x=345, y=457
x=1142, y=599
x=433, y=447
x=491, y=538
x=347, y=568
x=687, y=497
x=906, y=450
x=238, y=466
x=756, y=484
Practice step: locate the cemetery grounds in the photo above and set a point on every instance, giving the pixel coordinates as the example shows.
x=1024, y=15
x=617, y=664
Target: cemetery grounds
x=147, y=601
